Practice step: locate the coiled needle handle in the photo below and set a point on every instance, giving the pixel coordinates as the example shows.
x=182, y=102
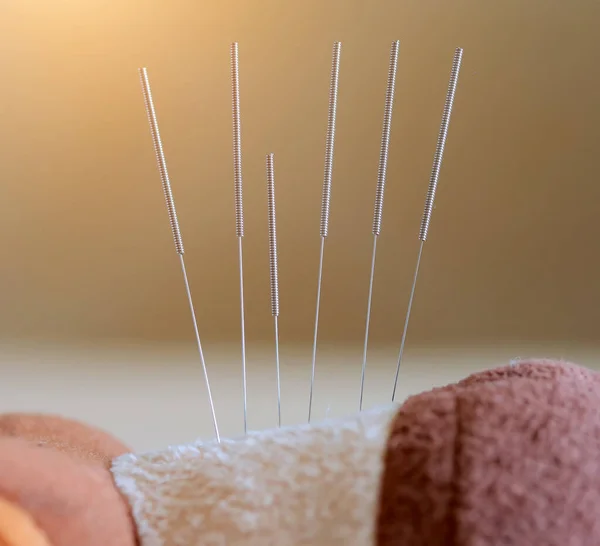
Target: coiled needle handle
x=381, y=178
x=166, y=185
x=326, y=199
x=431, y=191
x=239, y=209
x=273, y=272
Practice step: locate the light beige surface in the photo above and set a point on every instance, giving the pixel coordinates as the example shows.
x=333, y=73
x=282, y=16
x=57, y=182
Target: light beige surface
x=86, y=249
x=313, y=485
x=153, y=396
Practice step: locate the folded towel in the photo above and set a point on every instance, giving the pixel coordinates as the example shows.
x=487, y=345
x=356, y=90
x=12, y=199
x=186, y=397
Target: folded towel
x=509, y=456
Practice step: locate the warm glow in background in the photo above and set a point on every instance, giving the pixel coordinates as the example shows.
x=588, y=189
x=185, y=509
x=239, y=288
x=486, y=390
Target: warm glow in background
x=93, y=315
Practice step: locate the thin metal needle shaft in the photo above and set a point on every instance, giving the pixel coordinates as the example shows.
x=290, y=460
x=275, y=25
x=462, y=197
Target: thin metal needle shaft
x=381, y=178
x=406, y=320
x=316, y=332
x=243, y=334
x=277, y=367
x=431, y=191
x=369, y=305
x=273, y=271
x=239, y=208
x=166, y=185
x=326, y=200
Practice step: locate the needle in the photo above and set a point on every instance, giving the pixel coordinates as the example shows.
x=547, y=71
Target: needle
x=273, y=271
x=166, y=185
x=326, y=199
x=239, y=209
x=381, y=177
x=431, y=191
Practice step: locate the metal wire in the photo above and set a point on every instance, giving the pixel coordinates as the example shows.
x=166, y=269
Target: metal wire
x=160, y=159
x=385, y=138
x=407, y=318
x=237, y=141
x=369, y=306
x=273, y=269
x=330, y=140
x=325, y=201
x=441, y=144
x=277, y=367
x=316, y=331
x=239, y=209
x=162, y=167
x=381, y=178
x=272, y=237
x=243, y=334
x=430, y=198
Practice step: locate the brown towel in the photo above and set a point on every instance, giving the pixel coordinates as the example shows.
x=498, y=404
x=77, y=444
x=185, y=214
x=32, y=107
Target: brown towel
x=506, y=457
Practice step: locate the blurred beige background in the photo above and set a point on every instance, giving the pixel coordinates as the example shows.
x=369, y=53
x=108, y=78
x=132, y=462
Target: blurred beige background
x=91, y=297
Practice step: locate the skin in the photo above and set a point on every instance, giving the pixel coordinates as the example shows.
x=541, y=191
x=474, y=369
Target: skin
x=55, y=485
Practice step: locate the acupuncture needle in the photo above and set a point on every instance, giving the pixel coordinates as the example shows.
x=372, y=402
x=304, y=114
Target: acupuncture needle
x=273, y=272
x=431, y=191
x=170, y=202
x=381, y=179
x=239, y=209
x=326, y=199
